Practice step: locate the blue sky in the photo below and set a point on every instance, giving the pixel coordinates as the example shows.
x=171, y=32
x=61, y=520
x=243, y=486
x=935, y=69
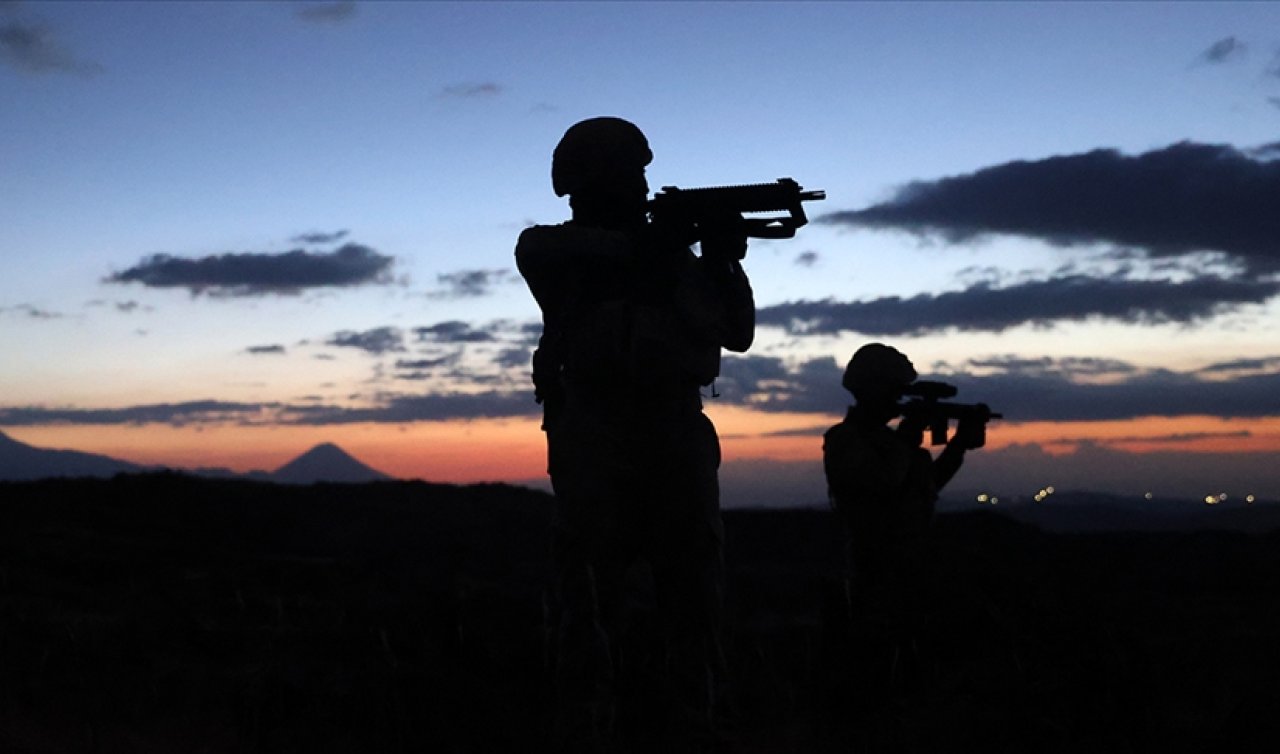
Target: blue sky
x=420, y=135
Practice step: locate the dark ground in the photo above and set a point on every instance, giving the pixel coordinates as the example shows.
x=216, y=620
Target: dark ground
x=163, y=613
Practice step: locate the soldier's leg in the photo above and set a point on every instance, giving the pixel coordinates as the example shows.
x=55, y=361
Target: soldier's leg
x=687, y=557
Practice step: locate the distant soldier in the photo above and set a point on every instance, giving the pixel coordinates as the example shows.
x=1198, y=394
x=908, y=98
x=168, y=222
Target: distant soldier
x=633, y=324
x=883, y=484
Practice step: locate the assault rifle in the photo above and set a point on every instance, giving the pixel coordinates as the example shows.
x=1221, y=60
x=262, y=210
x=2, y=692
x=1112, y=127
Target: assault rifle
x=691, y=211
x=925, y=404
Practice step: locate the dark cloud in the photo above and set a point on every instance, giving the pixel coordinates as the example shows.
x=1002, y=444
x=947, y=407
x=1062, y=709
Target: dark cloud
x=1168, y=439
x=255, y=274
x=1181, y=199
x=769, y=383
x=1069, y=366
x=1054, y=395
x=1268, y=151
x=320, y=238
x=448, y=360
x=33, y=49
x=470, y=91
x=493, y=404
x=265, y=350
x=377, y=341
x=512, y=358
x=176, y=414
x=986, y=308
x=807, y=258
x=326, y=12
x=1274, y=100
x=1268, y=364
x=471, y=283
x=31, y=311
x=453, y=331
x=1225, y=49
x=1025, y=389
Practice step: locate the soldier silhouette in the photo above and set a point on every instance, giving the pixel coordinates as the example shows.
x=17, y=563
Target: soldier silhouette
x=633, y=326
x=883, y=485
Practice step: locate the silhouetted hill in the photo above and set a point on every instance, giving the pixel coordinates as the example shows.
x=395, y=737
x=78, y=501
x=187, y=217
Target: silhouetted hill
x=21, y=462
x=166, y=612
x=326, y=462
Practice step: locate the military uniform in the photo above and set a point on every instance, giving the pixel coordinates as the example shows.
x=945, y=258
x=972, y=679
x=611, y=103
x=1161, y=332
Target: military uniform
x=883, y=488
x=633, y=327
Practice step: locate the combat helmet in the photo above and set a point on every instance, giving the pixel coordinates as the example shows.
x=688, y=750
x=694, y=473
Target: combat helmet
x=877, y=368
x=595, y=150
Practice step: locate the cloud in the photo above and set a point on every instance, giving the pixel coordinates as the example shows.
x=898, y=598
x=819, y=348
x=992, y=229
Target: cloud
x=472, y=91
x=1056, y=394
x=33, y=49
x=256, y=274
x=1268, y=364
x=1269, y=151
x=377, y=341
x=1274, y=100
x=453, y=331
x=1070, y=366
x=326, y=12
x=982, y=307
x=514, y=358
x=317, y=237
x=492, y=404
x=1274, y=68
x=1225, y=49
x=273, y=349
x=471, y=283
x=807, y=259
x=31, y=311
x=1182, y=199
x=176, y=414
x=447, y=360
x=1025, y=389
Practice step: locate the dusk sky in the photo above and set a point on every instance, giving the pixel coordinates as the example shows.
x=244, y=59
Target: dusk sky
x=230, y=231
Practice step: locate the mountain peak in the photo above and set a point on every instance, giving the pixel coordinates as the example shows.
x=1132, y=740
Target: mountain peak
x=326, y=462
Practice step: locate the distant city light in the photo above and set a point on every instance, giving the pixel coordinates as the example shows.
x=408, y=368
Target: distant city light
x=1210, y=500
x=994, y=500
x=1049, y=489
x=982, y=498
x=1222, y=497
x=1148, y=496
x=1249, y=499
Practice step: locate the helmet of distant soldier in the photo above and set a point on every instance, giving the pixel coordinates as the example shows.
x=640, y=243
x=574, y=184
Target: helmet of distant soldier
x=595, y=152
x=877, y=368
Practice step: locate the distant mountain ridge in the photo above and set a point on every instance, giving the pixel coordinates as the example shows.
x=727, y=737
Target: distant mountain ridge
x=326, y=462
x=20, y=462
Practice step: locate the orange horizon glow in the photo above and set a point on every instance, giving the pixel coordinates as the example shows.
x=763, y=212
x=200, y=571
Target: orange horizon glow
x=483, y=450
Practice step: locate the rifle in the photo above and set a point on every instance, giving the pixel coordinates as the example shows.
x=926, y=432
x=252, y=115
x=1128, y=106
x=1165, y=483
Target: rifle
x=936, y=414
x=691, y=211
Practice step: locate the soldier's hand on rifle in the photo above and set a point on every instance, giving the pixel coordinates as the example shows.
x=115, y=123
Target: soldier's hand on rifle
x=911, y=428
x=971, y=429
x=723, y=237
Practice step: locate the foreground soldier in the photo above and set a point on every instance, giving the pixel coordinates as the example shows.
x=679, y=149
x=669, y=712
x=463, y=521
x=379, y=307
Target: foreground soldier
x=883, y=485
x=633, y=324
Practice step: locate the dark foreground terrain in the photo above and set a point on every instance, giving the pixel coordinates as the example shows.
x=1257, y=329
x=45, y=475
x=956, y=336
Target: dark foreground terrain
x=163, y=613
